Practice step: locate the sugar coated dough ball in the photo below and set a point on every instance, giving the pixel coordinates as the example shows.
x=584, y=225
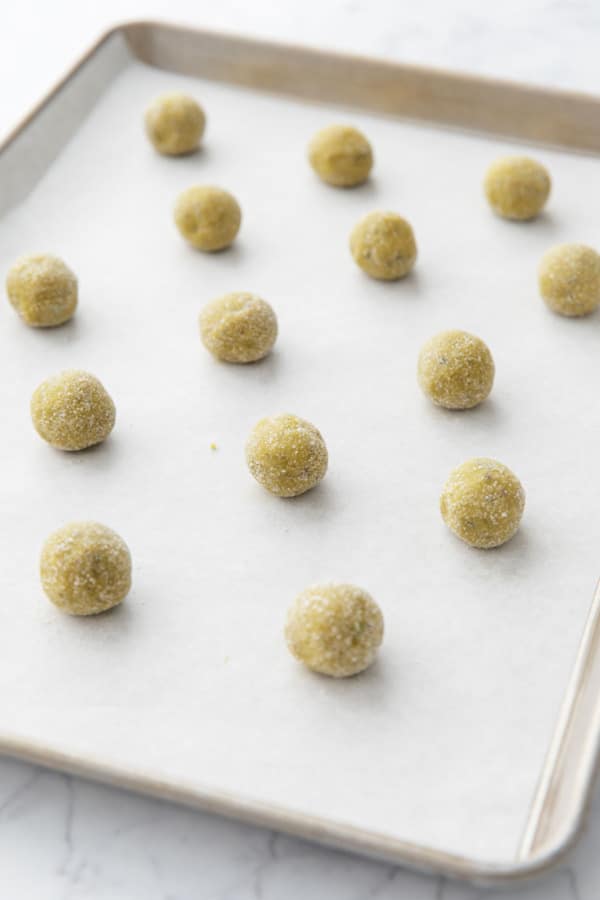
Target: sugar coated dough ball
x=72, y=410
x=238, y=328
x=482, y=503
x=43, y=290
x=341, y=155
x=174, y=124
x=517, y=187
x=455, y=369
x=85, y=568
x=286, y=454
x=569, y=279
x=208, y=217
x=383, y=245
x=334, y=629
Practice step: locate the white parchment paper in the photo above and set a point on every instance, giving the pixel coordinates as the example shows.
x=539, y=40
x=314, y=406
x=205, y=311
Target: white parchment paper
x=443, y=740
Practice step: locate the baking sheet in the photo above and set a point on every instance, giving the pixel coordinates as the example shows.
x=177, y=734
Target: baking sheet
x=443, y=741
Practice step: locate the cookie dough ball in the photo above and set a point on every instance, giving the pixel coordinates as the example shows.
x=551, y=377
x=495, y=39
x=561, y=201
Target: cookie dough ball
x=341, y=155
x=43, y=290
x=286, y=454
x=85, y=568
x=238, y=328
x=383, y=245
x=455, y=370
x=72, y=410
x=517, y=187
x=482, y=503
x=208, y=217
x=569, y=279
x=334, y=629
x=174, y=124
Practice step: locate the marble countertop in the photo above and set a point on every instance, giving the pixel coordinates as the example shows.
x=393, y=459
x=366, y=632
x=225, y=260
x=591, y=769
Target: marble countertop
x=62, y=838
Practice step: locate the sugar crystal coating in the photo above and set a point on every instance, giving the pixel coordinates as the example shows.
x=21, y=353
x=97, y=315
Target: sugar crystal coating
x=72, y=410
x=517, y=187
x=287, y=455
x=42, y=289
x=455, y=369
x=341, y=155
x=569, y=279
x=238, y=327
x=174, y=124
x=334, y=629
x=208, y=217
x=482, y=502
x=85, y=568
x=383, y=245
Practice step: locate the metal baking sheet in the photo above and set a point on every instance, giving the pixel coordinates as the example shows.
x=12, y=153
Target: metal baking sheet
x=435, y=756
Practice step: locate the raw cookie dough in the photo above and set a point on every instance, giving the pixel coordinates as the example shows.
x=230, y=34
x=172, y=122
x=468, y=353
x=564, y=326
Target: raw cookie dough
x=286, y=454
x=569, y=279
x=238, y=327
x=85, y=568
x=341, y=155
x=334, y=629
x=42, y=289
x=72, y=410
x=383, y=245
x=174, y=124
x=482, y=502
x=517, y=187
x=208, y=217
x=455, y=369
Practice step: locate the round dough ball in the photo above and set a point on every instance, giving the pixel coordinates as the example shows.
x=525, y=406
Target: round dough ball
x=42, y=289
x=72, y=410
x=334, y=629
x=208, y=217
x=85, y=568
x=238, y=327
x=456, y=369
x=517, y=187
x=174, y=124
x=569, y=279
x=341, y=155
x=383, y=245
x=482, y=503
x=286, y=454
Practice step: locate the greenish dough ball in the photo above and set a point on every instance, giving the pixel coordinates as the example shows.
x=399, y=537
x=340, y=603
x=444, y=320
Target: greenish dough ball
x=174, y=124
x=72, y=410
x=208, y=217
x=334, y=629
x=341, y=156
x=456, y=370
x=482, y=503
x=517, y=187
x=85, y=568
x=287, y=455
x=569, y=279
x=238, y=328
x=383, y=245
x=43, y=290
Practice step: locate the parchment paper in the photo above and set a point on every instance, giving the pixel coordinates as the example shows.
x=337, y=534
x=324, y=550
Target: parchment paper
x=190, y=681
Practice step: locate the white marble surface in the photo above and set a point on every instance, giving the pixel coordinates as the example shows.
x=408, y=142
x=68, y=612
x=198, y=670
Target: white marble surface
x=65, y=839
